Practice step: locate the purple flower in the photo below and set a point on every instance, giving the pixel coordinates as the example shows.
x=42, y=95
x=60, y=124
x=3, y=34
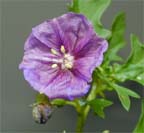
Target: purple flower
x=60, y=56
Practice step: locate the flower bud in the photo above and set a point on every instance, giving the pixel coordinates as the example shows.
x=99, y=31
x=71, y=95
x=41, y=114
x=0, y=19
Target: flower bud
x=42, y=112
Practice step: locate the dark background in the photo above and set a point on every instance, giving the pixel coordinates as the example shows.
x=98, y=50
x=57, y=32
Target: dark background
x=16, y=20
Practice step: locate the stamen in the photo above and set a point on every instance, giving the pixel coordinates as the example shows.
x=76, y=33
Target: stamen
x=68, y=61
x=68, y=65
x=53, y=51
x=68, y=56
x=62, y=49
x=54, y=65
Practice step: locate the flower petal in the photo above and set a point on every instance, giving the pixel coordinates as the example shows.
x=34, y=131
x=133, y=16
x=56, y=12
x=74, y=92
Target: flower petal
x=90, y=57
x=67, y=86
x=40, y=77
x=47, y=33
x=33, y=42
x=35, y=65
x=75, y=31
x=36, y=53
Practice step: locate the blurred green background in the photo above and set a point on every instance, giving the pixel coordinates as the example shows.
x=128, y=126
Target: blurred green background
x=16, y=20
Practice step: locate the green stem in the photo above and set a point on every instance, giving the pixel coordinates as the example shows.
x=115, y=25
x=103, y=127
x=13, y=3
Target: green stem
x=91, y=96
x=80, y=123
x=84, y=110
x=71, y=103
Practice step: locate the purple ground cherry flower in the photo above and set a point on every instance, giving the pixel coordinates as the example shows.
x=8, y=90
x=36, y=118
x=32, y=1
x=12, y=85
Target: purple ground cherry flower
x=60, y=56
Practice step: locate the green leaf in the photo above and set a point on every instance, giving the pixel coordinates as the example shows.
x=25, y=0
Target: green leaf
x=98, y=106
x=117, y=40
x=137, y=51
x=133, y=69
x=140, y=125
x=74, y=6
x=123, y=94
x=93, y=10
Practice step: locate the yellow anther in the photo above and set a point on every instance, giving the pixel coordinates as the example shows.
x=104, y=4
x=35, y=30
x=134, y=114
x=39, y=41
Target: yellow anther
x=54, y=65
x=68, y=65
x=62, y=49
x=53, y=51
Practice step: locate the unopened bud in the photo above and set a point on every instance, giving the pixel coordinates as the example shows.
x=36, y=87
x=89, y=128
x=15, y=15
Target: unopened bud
x=42, y=112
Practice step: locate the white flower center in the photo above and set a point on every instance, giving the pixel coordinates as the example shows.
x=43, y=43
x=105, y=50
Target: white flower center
x=66, y=61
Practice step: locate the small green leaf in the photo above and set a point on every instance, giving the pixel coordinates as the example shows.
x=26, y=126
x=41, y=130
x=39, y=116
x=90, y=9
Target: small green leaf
x=140, y=125
x=98, y=106
x=117, y=40
x=124, y=98
x=133, y=69
x=123, y=94
x=93, y=10
x=137, y=53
